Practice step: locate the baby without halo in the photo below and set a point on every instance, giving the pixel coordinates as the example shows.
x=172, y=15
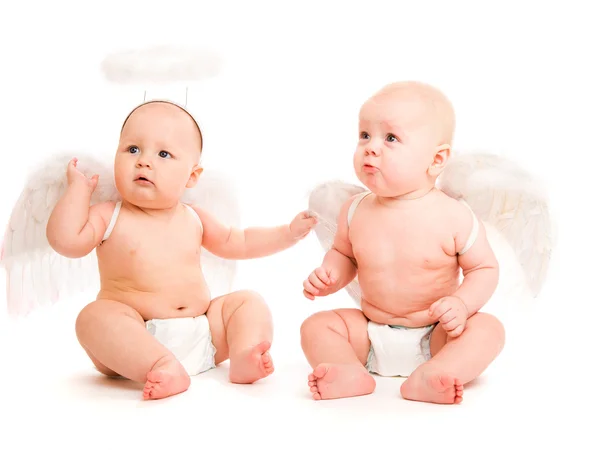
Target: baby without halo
x=406, y=241
x=153, y=320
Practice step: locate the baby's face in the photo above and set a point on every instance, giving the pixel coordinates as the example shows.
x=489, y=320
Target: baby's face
x=158, y=156
x=398, y=139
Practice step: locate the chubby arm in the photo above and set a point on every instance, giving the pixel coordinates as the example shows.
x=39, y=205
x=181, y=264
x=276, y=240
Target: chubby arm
x=479, y=266
x=74, y=228
x=340, y=257
x=339, y=265
x=255, y=242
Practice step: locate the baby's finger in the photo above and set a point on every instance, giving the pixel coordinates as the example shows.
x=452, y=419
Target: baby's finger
x=72, y=164
x=310, y=288
x=321, y=273
x=316, y=280
x=450, y=324
x=447, y=317
x=456, y=331
x=439, y=310
x=308, y=295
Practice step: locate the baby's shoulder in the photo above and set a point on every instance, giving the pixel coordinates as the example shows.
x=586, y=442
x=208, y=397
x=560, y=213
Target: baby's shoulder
x=456, y=211
x=196, y=213
x=349, y=207
x=105, y=210
x=459, y=218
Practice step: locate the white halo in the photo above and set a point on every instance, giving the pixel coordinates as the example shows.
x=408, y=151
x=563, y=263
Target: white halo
x=160, y=65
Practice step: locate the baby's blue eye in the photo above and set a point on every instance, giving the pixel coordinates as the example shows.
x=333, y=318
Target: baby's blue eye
x=133, y=149
x=391, y=138
x=163, y=154
x=364, y=135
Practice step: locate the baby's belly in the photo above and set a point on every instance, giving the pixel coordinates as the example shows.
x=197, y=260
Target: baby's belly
x=181, y=292
x=404, y=297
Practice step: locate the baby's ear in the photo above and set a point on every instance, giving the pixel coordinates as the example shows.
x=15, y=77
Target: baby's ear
x=440, y=159
x=194, y=177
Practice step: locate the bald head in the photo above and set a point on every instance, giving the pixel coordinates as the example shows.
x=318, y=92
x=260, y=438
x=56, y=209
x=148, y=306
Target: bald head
x=429, y=106
x=157, y=110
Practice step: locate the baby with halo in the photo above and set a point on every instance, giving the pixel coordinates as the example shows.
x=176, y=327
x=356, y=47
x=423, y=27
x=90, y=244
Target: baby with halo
x=153, y=320
x=407, y=242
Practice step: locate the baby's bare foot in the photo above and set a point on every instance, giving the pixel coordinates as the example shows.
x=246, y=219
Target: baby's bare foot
x=167, y=377
x=330, y=381
x=251, y=365
x=432, y=386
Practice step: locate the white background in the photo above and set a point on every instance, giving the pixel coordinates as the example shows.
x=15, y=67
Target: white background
x=280, y=118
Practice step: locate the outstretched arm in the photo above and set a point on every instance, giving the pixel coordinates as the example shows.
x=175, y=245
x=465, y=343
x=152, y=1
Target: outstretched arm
x=255, y=242
x=74, y=228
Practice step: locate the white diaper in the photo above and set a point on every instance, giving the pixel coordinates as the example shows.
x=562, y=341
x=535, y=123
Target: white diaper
x=396, y=350
x=188, y=338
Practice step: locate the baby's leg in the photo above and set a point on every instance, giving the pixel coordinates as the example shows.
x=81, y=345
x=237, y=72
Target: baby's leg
x=455, y=361
x=336, y=345
x=242, y=330
x=115, y=338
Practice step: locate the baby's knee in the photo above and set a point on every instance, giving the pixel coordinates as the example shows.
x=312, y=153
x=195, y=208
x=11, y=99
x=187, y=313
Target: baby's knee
x=97, y=314
x=315, y=323
x=243, y=299
x=247, y=297
x=491, y=324
x=252, y=296
x=86, y=318
x=85, y=322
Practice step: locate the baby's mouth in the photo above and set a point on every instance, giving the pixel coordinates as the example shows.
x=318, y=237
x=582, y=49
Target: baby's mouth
x=143, y=180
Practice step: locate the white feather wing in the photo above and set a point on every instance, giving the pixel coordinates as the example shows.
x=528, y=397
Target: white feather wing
x=325, y=202
x=214, y=193
x=36, y=274
x=509, y=199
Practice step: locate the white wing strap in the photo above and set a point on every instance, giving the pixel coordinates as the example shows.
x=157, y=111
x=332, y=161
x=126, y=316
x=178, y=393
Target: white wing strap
x=474, y=231
x=354, y=205
x=112, y=222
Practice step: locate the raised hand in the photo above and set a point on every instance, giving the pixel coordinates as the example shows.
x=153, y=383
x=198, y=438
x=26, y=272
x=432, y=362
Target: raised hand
x=74, y=175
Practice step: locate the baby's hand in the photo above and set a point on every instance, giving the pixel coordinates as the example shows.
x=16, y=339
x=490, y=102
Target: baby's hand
x=74, y=175
x=302, y=224
x=452, y=314
x=320, y=282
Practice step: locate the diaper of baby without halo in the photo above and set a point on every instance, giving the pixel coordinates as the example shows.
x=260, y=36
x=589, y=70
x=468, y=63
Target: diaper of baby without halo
x=188, y=338
x=397, y=350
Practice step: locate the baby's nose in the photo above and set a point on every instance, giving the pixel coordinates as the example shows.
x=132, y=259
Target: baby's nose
x=142, y=162
x=372, y=150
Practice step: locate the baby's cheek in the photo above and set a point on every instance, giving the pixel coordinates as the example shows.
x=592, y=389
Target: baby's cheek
x=396, y=172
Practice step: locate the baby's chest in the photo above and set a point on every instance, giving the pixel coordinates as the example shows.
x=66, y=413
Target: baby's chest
x=156, y=244
x=409, y=241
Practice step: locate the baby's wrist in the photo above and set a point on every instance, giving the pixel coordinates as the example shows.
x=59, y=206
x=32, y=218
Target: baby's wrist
x=80, y=186
x=289, y=233
x=464, y=304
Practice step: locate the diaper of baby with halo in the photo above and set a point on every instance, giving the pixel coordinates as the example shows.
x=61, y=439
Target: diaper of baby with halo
x=397, y=350
x=188, y=338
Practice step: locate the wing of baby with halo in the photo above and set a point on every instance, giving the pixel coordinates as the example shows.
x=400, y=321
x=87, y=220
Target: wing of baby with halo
x=506, y=197
x=36, y=275
x=325, y=202
x=215, y=194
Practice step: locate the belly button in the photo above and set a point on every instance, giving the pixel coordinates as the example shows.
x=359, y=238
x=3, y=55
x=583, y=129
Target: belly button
x=181, y=308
